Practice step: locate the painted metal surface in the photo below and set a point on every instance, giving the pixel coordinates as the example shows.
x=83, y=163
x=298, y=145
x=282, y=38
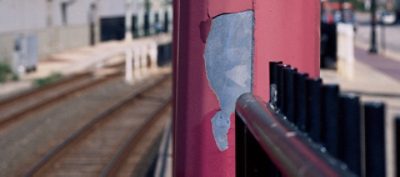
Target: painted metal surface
x=284, y=30
x=195, y=152
x=216, y=8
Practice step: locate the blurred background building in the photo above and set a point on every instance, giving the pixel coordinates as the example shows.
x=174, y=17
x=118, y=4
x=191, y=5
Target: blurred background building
x=42, y=27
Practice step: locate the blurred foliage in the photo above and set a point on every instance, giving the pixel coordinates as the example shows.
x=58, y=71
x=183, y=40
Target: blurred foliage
x=147, y=5
x=358, y=5
x=54, y=77
x=6, y=73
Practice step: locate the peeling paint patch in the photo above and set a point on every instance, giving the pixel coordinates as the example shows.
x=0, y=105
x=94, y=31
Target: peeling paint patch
x=239, y=75
x=228, y=58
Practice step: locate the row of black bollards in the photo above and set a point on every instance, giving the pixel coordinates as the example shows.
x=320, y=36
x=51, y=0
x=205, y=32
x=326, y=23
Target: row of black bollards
x=335, y=120
x=397, y=144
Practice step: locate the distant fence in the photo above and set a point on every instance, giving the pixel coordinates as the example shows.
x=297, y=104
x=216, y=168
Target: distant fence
x=113, y=28
x=308, y=129
x=164, y=53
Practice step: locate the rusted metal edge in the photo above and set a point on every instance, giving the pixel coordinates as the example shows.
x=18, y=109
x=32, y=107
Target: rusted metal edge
x=294, y=154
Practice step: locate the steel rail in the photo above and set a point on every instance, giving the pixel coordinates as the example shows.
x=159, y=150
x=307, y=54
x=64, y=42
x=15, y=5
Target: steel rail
x=4, y=122
x=87, y=128
x=38, y=90
x=111, y=169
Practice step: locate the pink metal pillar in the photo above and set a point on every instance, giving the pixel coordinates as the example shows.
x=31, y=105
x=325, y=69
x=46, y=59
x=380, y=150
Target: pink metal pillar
x=288, y=31
x=284, y=30
x=195, y=153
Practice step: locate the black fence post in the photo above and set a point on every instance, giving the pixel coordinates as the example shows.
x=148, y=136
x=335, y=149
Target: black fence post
x=397, y=136
x=350, y=136
x=166, y=22
x=280, y=87
x=134, y=29
x=374, y=119
x=251, y=159
x=300, y=98
x=289, y=93
x=314, y=108
x=146, y=25
x=273, y=72
x=330, y=110
x=273, y=82
x=240, y=132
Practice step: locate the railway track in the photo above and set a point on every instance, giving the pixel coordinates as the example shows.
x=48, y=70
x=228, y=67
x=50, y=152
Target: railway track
x=105, y=143
x=36, y=91
x=16, y=108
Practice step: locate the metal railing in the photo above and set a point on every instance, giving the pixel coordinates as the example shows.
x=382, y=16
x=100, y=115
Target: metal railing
x=267, y=144
x=308, y=129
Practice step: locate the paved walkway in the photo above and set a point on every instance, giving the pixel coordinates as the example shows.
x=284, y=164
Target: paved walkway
x=389, y=67
x=388, y=38
x=75, y=61
x=376, y=78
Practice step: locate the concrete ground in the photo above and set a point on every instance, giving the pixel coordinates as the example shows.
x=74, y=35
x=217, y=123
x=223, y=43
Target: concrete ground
x=62, y=63
x=375, y=78
x=388, y=36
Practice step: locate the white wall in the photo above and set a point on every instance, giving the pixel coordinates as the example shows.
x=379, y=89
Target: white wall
x=21, y=15
x=111, y=8
x=78, y=12
x=39, y=18
x=18, y=15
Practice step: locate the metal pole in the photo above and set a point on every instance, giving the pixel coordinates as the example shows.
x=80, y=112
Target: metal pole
x=373, y=49
x=147, y=6
x=92, y=23
x=383, y=37
x=128, y=20
x=397, y=136
x=128, y=38
x=128, y=66
x=342, y=11
x=49, y=13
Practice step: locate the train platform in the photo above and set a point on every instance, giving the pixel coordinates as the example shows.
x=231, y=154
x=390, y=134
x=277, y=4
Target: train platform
x=74, y=61
x=375, y=78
